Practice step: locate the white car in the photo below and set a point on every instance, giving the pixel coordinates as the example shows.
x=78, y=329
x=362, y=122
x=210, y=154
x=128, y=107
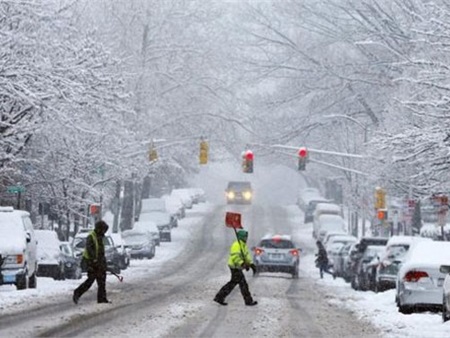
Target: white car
x=50, y=257
x=185, y=197
x=420, y=282
x=150, y=228
x=156, y=204
x=18, y=248
x=329, y=224
x=163, y=222
x=175, y=206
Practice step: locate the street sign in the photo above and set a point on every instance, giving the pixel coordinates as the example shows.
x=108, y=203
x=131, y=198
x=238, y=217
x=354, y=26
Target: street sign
x=15, y=189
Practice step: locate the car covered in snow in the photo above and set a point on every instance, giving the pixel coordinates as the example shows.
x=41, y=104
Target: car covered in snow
x=139, y=244
x=50, y=258
x=18, y=247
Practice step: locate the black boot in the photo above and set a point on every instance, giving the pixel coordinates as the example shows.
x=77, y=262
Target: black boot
x=252, y=303
x=220, y=301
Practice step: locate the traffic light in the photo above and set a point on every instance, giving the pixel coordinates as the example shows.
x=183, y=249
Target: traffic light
x=203, y=157
x=380, y=198
x=382, y=214
x=247, y=163
x=302, y=158
x=152, y=154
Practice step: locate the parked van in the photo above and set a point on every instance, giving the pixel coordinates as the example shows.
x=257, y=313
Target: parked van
x=329, y=224
x=324, y=209
x=18, y=246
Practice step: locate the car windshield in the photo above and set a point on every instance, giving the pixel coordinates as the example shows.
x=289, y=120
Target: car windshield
x=276, y=244
x=134, y=239
x=79, y=243
x=239, y=185
x=66, y=249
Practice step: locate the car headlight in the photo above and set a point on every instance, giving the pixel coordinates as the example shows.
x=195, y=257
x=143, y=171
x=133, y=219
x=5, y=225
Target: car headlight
x=247, y=195
x=231, y=195
x=68, y=264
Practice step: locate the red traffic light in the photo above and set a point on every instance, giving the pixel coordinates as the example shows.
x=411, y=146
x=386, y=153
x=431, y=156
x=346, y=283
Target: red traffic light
x=303, y=152
x=249, y=155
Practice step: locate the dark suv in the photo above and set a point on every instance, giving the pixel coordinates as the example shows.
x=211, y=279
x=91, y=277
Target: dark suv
x=111, y=253
x=239, y=192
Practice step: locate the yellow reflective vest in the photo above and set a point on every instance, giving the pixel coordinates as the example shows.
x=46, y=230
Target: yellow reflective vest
x=239, y=254
x=90, y=253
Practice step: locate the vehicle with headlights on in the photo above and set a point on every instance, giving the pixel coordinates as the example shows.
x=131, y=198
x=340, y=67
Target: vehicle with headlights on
x=239, y=192
x=277, y=254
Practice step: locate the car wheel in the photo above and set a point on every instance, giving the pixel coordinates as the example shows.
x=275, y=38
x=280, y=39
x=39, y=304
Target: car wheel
x=445, y=314
x=353, y=283
x=22, y=282
x=405, y=309
x=32, y=281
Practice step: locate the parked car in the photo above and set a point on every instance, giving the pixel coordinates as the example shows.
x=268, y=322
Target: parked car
x=124, y=254
x=277, y=254
x=18, y=247
x=365, y=275
x=72, y=264
x=199, y=194
x=139, y=244
x=420, y=281
x=323, y=209
x=396, y=250
x=239, y=192
x=341, y=262
x=329, y=224
x=305, y=195
x=338, y=237
x=163, y=223
x=158, y=205
x=185, y=197
x=356, y=255
x=111, y=254
x=50, y=257
x=311, y=207
x=151, y=229
x=175, y=206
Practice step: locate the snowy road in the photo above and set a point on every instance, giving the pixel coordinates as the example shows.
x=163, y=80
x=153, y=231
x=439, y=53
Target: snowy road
x=172, y=296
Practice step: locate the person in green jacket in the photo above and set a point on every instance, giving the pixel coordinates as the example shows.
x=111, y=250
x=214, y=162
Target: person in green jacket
x=94, y=258
x=239, y=259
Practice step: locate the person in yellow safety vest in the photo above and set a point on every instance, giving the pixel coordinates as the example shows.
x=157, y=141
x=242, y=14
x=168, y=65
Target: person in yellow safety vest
x=95, y=260
x=240, y=258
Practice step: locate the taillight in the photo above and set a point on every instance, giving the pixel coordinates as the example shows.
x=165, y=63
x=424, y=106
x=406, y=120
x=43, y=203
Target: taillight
x=294, y=252
x=19, y=259
x=414, y=276
x=258, y=251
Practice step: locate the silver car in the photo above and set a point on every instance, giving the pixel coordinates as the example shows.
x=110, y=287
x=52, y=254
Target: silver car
x=419, y=280
x=277, y=254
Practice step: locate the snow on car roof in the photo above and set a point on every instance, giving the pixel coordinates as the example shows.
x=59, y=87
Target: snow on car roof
x=429, y=253
x=328, y=206
x=405, y=240
x=277, y=236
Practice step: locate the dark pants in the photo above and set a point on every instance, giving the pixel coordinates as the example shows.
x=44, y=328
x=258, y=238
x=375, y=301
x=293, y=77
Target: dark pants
x=237, y=277
x=324, y=267
x=98, y=275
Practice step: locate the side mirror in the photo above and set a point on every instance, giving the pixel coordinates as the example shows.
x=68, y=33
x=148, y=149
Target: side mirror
x=29, y=238
x=444, y=268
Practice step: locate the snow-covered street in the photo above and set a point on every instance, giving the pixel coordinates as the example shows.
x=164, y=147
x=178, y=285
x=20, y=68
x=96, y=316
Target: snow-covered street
x=189, y=310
